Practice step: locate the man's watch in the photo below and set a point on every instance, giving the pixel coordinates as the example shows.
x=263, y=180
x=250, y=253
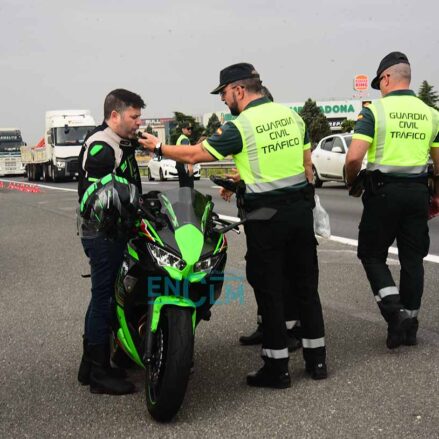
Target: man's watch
x=158, y=150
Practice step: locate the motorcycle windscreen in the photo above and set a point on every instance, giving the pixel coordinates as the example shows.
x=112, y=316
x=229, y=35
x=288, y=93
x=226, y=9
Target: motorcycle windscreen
x=186, y=206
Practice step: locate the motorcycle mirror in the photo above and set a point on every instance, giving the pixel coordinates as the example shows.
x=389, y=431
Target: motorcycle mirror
x=261, y=214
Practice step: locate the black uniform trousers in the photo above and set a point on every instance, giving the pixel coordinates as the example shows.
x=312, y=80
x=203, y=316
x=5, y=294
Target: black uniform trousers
x=395, y=210
x=184, y=178
x=279, y=250
x=291, y=309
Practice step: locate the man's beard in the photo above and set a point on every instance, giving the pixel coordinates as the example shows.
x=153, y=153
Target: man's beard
x=233, y=107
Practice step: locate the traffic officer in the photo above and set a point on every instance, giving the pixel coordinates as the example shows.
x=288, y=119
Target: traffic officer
x=292, y=324
x=110, y=148
x=271, y=150
x=398, y=132
x=185, y=171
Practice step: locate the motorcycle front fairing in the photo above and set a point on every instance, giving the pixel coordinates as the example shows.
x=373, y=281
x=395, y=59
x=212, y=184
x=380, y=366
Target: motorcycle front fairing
x=178, y=260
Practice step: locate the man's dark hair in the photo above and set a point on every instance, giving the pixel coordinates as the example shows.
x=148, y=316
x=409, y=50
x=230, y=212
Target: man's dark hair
x=253, y=85
x=119, y=100
x=266, y=93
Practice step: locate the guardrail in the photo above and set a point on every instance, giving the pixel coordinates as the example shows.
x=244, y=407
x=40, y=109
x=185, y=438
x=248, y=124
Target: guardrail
x=207, y=168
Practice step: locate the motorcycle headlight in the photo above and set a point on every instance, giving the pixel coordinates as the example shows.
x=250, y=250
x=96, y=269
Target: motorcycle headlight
x=207, y=264
x=165, y=258
x=60, y=164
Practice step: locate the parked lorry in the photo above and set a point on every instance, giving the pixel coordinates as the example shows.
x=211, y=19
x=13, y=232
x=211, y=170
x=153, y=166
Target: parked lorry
x=10, y=144
x=55, y=156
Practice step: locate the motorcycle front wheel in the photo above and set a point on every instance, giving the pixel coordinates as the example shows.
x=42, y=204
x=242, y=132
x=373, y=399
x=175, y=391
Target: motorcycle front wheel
x=167, y=375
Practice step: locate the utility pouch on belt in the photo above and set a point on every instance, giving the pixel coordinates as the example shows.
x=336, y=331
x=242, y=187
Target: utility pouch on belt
x=308, y=194
x=359, y=184
x=374, y=181
x=433, y=181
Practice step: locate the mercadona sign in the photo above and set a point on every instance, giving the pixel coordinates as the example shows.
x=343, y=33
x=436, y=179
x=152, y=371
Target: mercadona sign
x=347, y=109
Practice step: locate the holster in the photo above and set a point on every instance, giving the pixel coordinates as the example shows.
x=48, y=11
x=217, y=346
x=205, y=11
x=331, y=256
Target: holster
x=433, y=182
x=359, y=184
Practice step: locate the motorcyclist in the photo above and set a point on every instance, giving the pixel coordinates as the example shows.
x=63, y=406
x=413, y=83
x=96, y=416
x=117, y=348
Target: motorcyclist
x=109, y=149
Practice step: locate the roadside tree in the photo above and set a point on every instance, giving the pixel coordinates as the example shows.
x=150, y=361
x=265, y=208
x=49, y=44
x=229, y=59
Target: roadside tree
x=316, y=122
x=347, y=125
x=427, y=95
x=212, y=125
x=176, y=131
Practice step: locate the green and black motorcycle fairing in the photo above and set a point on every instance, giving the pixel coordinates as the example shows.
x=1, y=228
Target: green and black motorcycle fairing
x=171, y=275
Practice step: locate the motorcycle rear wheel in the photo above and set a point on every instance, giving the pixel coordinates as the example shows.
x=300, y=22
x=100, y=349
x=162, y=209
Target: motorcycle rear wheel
x=167, y=375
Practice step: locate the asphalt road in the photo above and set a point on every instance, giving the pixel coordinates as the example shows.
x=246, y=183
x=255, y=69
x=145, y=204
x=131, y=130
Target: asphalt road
x=370, y=393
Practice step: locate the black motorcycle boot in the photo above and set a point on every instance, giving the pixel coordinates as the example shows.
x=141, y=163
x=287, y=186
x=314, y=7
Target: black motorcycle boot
x=85, y=365
x=273, y=374
x=101, y=376
x=252, y=339
x=410, y=334
x=398, y=324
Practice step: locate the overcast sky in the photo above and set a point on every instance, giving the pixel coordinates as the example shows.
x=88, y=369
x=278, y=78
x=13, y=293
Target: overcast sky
x=70, y=54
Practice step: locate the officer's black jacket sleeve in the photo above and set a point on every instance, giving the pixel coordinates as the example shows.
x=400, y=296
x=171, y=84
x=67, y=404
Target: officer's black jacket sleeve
x=100, y=161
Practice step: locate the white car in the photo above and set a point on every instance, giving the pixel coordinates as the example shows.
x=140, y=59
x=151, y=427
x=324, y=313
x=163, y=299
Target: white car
x=328, y=158
x=164, y=169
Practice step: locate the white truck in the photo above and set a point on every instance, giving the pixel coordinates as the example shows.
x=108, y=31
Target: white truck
x=55, y=156
x=10, y=144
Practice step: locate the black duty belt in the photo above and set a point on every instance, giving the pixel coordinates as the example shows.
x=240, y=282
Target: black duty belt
x=385, y=179
x=290, y=197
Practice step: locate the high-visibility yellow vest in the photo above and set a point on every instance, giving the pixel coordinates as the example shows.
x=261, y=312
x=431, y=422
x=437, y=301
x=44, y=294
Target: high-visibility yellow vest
x=405, y=128
x=181, y=138
x=272, y=151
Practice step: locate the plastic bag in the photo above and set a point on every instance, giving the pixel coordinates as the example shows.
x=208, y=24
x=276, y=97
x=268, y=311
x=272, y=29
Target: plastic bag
x=321, y=220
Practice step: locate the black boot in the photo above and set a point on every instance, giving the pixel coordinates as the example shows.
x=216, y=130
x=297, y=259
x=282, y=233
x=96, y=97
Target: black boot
x=410, y=334
x=315, y=363
x=101, y=377
x=252, y=339
x=85, y=367
x=398, y=323
x=317, y=370
x=273, y=374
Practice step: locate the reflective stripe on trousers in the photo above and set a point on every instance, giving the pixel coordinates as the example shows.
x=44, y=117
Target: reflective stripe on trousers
x=291, y=324
x=276, y=354
x=312, y=343
x=387, y=291
x=412, y=313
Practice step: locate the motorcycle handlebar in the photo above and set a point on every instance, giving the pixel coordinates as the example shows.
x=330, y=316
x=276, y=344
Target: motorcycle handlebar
x=226, y=183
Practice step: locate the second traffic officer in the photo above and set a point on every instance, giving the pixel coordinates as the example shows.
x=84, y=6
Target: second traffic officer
x=271, y=150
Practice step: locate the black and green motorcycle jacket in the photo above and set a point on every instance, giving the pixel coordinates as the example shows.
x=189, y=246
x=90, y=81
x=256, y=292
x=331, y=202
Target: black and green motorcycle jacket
x=103, y=153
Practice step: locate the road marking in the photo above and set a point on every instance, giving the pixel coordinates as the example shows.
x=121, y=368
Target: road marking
x=340, y=239
x=40, y=185
x=348, y=241
x=392, y=250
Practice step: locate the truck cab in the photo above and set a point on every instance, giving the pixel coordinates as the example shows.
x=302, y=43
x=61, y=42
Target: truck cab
x=10, y=144
x=65, y=133
x=55, y=157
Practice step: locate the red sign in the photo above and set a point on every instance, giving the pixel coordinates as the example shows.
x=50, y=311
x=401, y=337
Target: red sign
x=361, y=82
